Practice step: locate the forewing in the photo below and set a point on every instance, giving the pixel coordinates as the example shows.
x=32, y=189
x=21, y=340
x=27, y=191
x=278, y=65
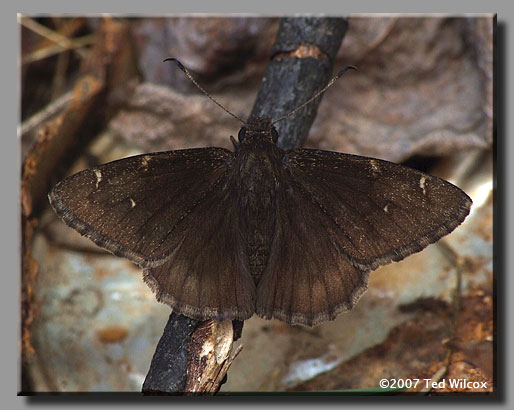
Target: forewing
x=379, y=211
x=307, y=279
x=133, y=207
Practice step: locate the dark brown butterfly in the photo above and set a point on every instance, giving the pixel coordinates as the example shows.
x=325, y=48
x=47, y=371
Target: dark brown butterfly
x=290, y=235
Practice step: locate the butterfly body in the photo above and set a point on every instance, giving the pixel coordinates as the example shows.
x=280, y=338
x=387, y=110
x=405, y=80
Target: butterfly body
x=290, y=235
x=258, y=177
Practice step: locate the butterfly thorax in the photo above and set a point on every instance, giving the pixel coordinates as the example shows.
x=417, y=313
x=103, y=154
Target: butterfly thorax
x=258, y=129
x=260, y=165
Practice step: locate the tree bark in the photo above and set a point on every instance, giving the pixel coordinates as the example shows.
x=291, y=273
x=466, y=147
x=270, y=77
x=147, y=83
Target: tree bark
x=302, y=61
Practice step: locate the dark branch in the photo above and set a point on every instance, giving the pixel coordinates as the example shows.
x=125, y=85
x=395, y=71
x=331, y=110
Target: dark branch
x=293, y=76
x=168, y=369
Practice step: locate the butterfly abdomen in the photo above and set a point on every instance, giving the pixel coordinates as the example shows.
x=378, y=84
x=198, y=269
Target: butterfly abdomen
x=259, y=166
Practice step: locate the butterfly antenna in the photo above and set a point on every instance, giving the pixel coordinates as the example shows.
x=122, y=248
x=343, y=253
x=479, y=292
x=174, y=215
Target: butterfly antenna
x=188, y=74
x=332, y=81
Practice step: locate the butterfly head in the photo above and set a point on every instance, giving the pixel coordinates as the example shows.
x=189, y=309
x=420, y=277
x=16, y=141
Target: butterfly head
x=258, y=128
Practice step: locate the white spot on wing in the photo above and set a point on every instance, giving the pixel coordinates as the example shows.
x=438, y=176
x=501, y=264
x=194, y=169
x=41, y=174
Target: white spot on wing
x=374, y=166
x=422, y=184
x=144, y=161
x=132, y=203
x=386, y=208
x=98, y=176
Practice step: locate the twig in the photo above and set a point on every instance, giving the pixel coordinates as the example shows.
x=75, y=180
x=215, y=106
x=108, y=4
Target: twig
x=169, y=362
x=434, y=379
x=302, y=62
x=209, y=357
x=46, y=113
x=59, y=78
x=459, y=263
x=217, y=382
x=52, y=35
x=49, y=51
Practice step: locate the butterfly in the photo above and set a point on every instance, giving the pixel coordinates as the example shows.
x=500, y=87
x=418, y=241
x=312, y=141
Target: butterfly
x=284, y=234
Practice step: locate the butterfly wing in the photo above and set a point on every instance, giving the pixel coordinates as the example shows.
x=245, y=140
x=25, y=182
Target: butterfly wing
x=307, y=280
x=207, y=275
x=351, y=214
x=168, y=213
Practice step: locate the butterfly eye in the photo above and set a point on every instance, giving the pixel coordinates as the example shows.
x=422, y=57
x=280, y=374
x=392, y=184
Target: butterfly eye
x=242, y=134
x=274, y=135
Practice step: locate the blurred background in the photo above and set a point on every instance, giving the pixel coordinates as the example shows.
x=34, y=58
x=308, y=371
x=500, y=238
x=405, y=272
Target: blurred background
x=95, y=89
